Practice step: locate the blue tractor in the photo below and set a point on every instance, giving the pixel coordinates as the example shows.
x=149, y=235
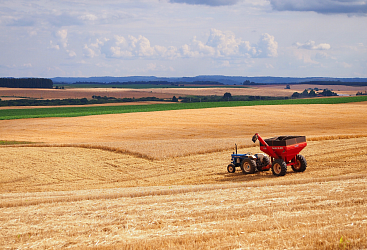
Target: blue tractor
x=249, y=163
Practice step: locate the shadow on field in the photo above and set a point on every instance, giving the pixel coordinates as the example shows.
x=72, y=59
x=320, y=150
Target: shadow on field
x=238, y=176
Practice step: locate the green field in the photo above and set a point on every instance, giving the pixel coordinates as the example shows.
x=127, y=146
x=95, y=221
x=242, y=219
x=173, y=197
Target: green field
x=8, y=114
x=14, y=142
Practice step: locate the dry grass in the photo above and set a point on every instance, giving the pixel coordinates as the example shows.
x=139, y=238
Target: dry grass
x=314, y=215
x=159, y=181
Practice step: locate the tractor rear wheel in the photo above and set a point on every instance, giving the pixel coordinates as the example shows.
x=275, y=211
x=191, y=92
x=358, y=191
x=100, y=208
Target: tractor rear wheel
x=279, y=167
x=231, y=168
x=266, y=162
x=300, y=164
x=248, y=166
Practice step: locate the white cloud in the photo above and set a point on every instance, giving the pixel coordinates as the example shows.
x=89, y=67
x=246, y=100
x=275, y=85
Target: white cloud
x=186, y=51
x=62, y=37
x=132, y=46
x=204, y=49
x=88, y=17
x=141, y=46
x=267, y=46
x=88, y=52
x=54, y=46
x=226, y=45
x=170, y=52
x=311, y=45
x=27, y=65
x=93, y=49
x=71, y=53
x=305, y=56
x=346, y=65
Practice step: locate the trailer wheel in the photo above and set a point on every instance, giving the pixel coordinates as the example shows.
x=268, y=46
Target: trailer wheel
x=248, y=166
x=279, y=167
x=300, y=164
x=231, y=168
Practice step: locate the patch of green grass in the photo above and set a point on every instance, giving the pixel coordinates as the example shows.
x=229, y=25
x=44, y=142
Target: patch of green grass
x=8, y=114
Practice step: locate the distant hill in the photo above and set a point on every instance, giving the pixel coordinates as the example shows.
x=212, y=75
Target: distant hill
x=229, y=80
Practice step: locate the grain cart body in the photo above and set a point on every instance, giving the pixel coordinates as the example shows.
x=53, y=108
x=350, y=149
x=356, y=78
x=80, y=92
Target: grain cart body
x=284, y=147
x=284, y=151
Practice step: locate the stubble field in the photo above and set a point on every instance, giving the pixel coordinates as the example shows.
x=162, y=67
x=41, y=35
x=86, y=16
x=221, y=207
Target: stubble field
x=158, y=181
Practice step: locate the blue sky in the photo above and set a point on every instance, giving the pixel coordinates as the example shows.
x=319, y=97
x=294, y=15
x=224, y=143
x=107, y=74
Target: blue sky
x=297, y=38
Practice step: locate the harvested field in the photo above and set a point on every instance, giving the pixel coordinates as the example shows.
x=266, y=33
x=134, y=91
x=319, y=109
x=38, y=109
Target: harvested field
x=197, y=208
x=159, y=181
x=158, y=135
x=262, y=90
x=80, y=93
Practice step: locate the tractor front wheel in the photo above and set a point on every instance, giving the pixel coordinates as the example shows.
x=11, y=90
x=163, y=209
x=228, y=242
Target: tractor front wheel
x=231, y=168
x=279, y=167
x=248, y=166
x=300, y=164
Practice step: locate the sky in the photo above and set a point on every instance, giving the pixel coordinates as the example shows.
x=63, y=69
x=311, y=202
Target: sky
x=177, y=38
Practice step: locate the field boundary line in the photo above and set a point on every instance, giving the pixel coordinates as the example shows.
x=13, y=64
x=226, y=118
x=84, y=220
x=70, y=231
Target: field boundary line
x=68, y=196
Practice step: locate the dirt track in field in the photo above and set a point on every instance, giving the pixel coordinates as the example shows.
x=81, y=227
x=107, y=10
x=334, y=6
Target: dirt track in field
x=159, y=181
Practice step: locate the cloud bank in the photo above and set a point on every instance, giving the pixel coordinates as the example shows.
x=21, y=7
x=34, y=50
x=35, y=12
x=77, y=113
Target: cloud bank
x=220, y=45
x=322, y=6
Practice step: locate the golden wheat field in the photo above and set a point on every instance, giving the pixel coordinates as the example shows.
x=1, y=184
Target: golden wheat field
x=159, y=181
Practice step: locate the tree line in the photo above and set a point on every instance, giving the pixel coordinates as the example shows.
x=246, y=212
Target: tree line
x=227, y=97
x=313, y=93
x=71, y=101
x=41, y=83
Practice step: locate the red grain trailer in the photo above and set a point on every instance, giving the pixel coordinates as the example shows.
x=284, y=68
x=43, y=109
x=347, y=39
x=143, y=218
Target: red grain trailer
x=283, y=151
